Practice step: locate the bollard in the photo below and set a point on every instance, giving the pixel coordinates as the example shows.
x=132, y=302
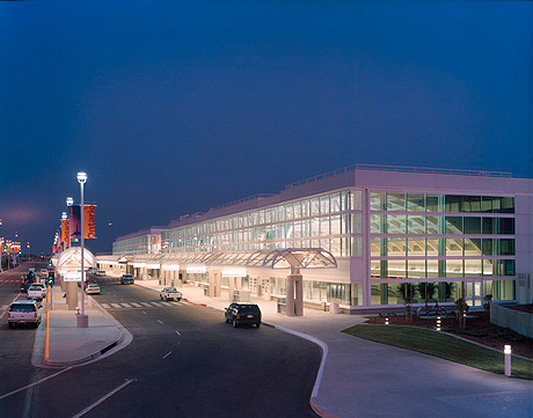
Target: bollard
x=507, y=359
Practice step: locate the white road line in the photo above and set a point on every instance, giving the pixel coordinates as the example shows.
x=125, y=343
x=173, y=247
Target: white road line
x=105, y=305
x=177, y=332
x=137, y=305
x=125, y=305
x=157, y=305
x=12, y=300
x=102, y=399
x=158, y=320
x=174, y=303
x=116, y=305
x=34, y=383
x=4, y=307
x=144, y=312
x=147, y=304
x=168, y=354
x=165, y=303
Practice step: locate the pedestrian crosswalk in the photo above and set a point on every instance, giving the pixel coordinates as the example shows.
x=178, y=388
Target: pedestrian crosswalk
x=136, y=305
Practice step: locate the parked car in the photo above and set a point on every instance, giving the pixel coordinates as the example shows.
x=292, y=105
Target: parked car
x=126, y=279
x=170, y=293
x=37, y=291
x=24, y=312
x=93, y=289
x=243, y=313
x=99, y=273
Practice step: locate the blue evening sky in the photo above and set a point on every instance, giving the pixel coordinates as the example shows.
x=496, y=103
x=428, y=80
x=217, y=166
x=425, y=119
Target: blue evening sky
x=174, y=107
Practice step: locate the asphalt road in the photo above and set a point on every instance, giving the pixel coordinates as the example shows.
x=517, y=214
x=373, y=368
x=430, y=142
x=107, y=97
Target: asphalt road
x=184, y=361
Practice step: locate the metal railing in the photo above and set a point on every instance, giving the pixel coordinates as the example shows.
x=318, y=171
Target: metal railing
x=399, y=169
x=244, y=199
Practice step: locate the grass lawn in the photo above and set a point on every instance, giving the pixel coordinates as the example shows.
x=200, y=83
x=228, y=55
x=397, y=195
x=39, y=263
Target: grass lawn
x=443, y=346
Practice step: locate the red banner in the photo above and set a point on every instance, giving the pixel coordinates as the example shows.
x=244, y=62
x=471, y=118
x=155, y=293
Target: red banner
x=74, y=220
x=65, y=232
x=89, y=227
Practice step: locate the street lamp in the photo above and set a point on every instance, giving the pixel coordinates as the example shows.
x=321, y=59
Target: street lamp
x=82, y=320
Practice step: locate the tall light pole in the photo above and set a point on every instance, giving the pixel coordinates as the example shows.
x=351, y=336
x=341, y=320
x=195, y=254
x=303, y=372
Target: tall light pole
x=82, y=320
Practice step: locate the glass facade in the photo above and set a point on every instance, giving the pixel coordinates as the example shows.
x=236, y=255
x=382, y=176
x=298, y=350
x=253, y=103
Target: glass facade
x=332, y=221
x=426, y=247
x=475, y=241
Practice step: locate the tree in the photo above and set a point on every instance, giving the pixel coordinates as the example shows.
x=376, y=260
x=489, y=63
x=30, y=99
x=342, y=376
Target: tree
x=426, y=290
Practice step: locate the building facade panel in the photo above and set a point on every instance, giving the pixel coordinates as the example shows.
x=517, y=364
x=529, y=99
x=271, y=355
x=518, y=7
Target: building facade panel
x=399, y=237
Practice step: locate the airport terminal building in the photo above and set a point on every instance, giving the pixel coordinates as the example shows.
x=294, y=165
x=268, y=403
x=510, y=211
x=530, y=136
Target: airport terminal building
x=365, y=237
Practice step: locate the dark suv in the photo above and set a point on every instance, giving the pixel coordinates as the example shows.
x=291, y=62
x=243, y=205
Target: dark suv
x=243, y=313
x=126, y=279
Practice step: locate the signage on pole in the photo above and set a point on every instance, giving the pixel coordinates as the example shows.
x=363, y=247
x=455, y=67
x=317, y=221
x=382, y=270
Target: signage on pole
x=89, y=229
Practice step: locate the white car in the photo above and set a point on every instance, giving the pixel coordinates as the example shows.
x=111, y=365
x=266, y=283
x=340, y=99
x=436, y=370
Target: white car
x=24, y=312
x=170, y=293
x=43, y=273
x=93, y=289
x=37, y=291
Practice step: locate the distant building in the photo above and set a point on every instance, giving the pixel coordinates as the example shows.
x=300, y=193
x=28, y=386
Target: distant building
x=449, y=233
x=147, y=241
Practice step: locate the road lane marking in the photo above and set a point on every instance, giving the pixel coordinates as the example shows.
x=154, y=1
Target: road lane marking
x=165, y=303
x=125, y=305
x=34, y=383
x=137, y=305
x=158, y=320
x=4, y=307
x=168, y=354
x=177, y=332
x=12, y=300
x=105, y=305
x=102, y=399
x=157, y=305
x=116, y=305
x=147, y=304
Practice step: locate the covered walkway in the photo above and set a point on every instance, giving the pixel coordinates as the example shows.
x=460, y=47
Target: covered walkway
x=232, y=265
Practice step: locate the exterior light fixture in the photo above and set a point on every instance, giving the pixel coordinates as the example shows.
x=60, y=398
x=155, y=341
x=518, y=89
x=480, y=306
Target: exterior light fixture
x=507, y=359
x=70, y=201
x=64, y=216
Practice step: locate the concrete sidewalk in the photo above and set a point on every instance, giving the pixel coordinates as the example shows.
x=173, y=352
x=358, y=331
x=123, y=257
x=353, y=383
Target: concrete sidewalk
x=365, y=379
x=68, y=345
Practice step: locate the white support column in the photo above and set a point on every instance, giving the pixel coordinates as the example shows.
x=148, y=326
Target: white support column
x=231, y=281
x=218, y=278
x=366, y=247
x=72, y=295
x=299, y=284
x=290, y=295
x=212, y=289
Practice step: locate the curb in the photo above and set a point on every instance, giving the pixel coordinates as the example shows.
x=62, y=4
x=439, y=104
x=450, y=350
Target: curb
x=120, y=343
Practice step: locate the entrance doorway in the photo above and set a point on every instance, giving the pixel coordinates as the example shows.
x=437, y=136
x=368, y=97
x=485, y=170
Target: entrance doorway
x=474, y=293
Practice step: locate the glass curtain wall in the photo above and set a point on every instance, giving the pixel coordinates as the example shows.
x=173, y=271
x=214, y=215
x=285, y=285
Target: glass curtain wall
x=332, y=221
x=416, y=237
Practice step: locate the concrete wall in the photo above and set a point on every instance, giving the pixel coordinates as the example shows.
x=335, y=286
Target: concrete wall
x=520, y=322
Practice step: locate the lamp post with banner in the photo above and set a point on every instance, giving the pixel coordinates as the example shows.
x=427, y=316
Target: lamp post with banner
x=82, y=320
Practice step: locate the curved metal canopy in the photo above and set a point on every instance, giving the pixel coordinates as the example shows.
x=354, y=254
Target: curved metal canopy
x=70, y=260
x=283, y=258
